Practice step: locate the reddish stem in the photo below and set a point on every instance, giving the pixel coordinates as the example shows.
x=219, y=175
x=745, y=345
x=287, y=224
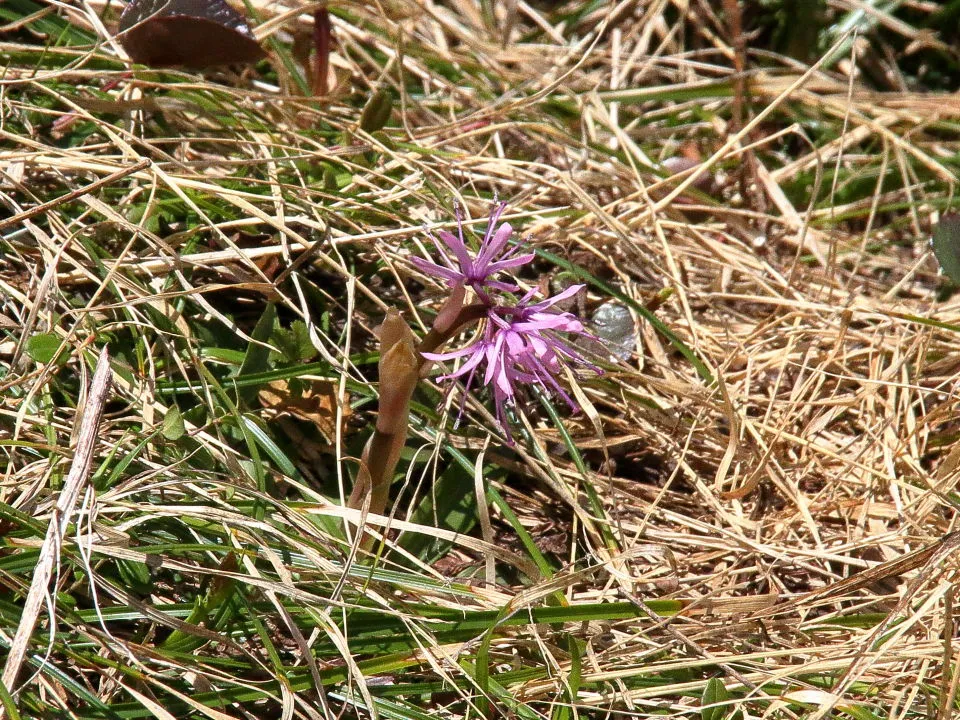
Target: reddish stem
x=435, y=339
x=321, y=48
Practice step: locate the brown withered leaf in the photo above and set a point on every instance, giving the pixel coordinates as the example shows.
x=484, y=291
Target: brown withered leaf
x=317, y=404
x=191, y=33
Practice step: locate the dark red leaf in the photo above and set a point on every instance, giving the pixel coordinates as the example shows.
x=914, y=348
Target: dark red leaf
x=192, y=33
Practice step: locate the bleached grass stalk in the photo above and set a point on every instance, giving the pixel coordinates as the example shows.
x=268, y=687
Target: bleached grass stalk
x=59, y=520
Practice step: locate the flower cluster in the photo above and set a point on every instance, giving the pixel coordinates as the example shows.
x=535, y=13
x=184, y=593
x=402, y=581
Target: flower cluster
x=523, y=341
x=476, y=272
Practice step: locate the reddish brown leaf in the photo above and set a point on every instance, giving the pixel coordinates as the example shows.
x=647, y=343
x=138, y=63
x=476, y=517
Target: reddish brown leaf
x=191, y=33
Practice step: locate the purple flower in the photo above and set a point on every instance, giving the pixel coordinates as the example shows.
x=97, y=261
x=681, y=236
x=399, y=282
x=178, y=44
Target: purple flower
x=476, y=271
x=520, y=345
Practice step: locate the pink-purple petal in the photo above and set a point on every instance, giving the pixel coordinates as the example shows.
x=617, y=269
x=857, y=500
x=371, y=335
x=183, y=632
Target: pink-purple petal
x=440, y=251
x=459, y=250
x=493, y=246
x=495, y=212
x=430, y=268
x=554, y=299
x=453, y=354
x=505, y=287
x=467, y=367
x=510, y=262
x=523, y=341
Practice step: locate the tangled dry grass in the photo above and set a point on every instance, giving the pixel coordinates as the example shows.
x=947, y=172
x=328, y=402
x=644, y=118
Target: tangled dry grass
x=752, y=515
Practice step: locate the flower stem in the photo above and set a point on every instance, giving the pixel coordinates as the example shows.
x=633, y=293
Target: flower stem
x=436, y=339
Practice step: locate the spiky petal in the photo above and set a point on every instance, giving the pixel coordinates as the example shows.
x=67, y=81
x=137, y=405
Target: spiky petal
x=460, y=267
x=521, y=344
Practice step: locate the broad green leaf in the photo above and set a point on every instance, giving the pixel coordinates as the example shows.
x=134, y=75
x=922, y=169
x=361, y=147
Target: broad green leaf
x=43, y=347
x=377, y=111
x=294, y=344
x=269, y=446
x=450, y=504
x=946, y=246
x=173, y=428
x=711, y=702
x=257, y=359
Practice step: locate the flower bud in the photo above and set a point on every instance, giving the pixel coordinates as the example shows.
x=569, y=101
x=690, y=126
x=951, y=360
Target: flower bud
x=450, y=311
x=377, y=111
x=399, y=371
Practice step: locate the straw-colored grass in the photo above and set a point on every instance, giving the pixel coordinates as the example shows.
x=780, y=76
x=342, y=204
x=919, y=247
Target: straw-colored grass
x=751, y=516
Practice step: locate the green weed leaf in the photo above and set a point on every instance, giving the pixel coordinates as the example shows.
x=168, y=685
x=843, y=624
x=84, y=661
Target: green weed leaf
x=714, y=694
x=946, y=246
x=43, y=348
x=173, y=428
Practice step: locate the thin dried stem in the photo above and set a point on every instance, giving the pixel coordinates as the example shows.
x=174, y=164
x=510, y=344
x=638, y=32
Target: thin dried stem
x=39, y=592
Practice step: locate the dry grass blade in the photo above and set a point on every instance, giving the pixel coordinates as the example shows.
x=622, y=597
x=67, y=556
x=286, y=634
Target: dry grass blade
x=39, y=594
